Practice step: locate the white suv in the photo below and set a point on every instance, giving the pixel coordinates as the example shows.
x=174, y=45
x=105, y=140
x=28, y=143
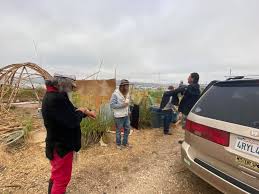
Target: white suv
x=222, y=136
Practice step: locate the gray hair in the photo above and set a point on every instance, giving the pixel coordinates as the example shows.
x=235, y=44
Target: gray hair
x=61, y=82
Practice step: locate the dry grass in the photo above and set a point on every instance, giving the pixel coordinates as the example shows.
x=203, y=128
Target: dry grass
x=153, y=165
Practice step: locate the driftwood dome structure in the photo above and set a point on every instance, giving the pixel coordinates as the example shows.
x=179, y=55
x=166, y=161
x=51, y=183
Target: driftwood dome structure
x=15, y=76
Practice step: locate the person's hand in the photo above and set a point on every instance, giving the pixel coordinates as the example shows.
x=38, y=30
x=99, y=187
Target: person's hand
x=83, y=110
x=90, y=114
x=126, y=104
x=87, y=112
x=180, y=116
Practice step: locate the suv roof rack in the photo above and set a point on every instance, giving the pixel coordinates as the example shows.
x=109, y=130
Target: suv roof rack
x=236, y=77
x=242, y=77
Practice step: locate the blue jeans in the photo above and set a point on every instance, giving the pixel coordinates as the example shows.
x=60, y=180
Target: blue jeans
x=122, y=123
x=168, y=116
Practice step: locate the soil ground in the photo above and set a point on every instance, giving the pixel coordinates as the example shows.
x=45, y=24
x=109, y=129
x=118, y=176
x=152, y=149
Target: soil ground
x=152, y=165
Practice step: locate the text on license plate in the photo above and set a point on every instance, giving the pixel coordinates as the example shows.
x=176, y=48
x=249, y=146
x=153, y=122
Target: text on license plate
x=247, y=145
x=248, y=163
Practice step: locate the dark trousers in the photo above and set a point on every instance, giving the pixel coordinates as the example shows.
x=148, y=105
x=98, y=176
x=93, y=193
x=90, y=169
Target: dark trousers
x=134, y=118
x=168, y=115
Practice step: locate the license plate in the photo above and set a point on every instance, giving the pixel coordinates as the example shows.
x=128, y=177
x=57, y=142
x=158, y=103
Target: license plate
x=247, y=145
x=247, y=163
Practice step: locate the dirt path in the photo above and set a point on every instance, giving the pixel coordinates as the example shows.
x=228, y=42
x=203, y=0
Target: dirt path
x=153, y=165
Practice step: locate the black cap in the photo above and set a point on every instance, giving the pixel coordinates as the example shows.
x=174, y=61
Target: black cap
x=124, y=82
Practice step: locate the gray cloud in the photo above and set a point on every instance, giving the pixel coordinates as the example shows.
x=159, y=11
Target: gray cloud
x=142, y=38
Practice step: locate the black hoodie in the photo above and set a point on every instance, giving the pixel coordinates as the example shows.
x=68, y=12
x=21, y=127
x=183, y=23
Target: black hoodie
x=191, y=96
x=166, y=98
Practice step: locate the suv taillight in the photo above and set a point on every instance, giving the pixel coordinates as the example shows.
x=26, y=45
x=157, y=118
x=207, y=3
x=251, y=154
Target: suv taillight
x=209, y=133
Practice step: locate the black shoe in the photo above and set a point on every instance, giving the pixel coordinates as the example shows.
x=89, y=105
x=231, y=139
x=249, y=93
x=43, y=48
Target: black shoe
x=168, y=133
x=127, y=146
x=180, y=141
x=50, y=186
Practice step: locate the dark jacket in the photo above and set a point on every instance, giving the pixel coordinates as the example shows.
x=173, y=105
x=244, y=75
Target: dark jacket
x=166, y=98
x=191, y=95
x=62, y=122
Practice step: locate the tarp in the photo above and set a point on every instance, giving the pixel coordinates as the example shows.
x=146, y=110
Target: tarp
x=94, y=93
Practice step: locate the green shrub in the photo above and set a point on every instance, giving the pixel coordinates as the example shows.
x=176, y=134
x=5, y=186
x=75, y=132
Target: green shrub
x=156, y=95
x=144, y=112
x=93, y=130
x=25, y=94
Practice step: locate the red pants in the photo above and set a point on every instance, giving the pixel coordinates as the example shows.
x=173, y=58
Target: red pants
x=61, y=169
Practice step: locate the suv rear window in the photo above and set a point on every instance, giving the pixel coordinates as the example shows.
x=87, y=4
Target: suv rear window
x=234, y=103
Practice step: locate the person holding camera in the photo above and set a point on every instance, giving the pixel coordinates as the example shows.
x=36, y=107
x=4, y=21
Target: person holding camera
x=191, y=95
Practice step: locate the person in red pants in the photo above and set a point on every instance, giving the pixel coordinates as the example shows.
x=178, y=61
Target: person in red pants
x=62, y=121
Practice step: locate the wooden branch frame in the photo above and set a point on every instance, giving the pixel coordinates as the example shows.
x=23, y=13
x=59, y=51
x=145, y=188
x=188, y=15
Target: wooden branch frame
x=10, y=83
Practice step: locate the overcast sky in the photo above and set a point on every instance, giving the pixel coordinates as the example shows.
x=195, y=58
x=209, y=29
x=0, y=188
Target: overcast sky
x=142, y=38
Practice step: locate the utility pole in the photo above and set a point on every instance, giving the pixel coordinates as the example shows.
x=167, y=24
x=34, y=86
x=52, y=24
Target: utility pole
x=36, y=52
x=115, y=72
x=99, y=68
